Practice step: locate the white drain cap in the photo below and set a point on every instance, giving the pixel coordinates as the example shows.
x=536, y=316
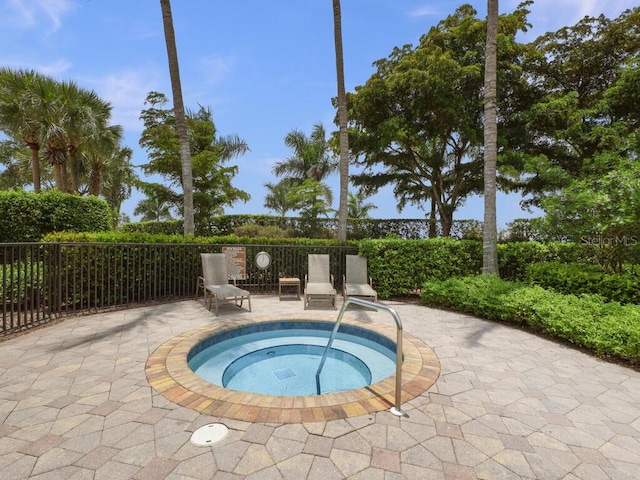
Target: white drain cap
x=210, y=434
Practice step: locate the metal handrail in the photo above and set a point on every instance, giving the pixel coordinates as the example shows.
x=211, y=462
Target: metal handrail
x=397, y=409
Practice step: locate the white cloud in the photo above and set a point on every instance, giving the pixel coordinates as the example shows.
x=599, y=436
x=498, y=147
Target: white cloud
x=216, y=67
x=551, y=15
x=28, y=14
x=126, y=92
x=55, y=10
x=55, y=68
x=425, y=11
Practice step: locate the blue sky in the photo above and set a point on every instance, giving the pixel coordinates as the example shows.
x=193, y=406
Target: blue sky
x=264, y=67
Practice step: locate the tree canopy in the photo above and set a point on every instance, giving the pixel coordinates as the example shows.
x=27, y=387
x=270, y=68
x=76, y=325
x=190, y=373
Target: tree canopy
x=417, y=122
x=67, y=133
x=212, y=179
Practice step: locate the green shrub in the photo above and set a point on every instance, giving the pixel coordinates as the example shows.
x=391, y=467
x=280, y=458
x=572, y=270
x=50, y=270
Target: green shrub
x=605, y=328
x=269, y=231
x=573, y=278
x=479, y=295
x=20, y=217
x=137, y=237
x=323, y=227
x=26, y=216
x=400, y=267
x=514, y=258
x=169, y=227
x=21, y=281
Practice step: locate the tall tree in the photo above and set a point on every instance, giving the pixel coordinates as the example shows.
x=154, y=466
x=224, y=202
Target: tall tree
x=60, y=117
x=153, y=209
x=416, y=124
x=277, y=197
x=490, y=227
x=16, y=166
x=86, y=122
x=342, y=123
x=117, y=180
x=311, y=160
x=181, y=121
x=358, y=207
x=212, y=180
x=20, y=112
x=571, y=121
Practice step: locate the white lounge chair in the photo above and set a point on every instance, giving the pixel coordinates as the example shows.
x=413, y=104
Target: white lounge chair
x=356, y=281
x=215, y=282
x=318, y=283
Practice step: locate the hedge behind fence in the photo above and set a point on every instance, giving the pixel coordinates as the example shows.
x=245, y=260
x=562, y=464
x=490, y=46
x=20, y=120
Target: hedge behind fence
x=357, y=228
x=397, y=266
x=27, y=216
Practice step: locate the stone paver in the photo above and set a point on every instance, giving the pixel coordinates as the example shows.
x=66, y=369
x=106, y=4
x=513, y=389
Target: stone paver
x=75, y=402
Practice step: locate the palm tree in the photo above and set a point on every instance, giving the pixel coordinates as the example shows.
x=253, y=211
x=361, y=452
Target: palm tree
x=357, y=207
x=117, y=180
x=101, y=155
x=342, y=121
x=87, y=122
x=311, y=160
x=15, y=165
x=181, y=121
x=277, y=198
x=19, y=117
x=311, y=156
x=153, y=210
x=489, y=229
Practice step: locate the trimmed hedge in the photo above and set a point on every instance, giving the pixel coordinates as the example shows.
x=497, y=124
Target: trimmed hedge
x=357, y=228
x=27, y=217
x=605, y=328
x=397, y=267
x=122, y=237
x=514, y=258
x=574, y=278
x=400, y=267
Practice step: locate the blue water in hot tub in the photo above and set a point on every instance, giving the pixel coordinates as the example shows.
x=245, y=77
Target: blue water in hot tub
x=281, y=358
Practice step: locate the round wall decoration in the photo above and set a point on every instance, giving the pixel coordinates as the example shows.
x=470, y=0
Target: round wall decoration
x=263, y=260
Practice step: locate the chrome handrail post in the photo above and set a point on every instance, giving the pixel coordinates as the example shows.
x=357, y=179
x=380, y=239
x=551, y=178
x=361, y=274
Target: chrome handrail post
x=397, y=409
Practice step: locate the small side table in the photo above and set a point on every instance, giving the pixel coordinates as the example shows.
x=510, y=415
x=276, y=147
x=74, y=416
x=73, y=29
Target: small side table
x=288, y=282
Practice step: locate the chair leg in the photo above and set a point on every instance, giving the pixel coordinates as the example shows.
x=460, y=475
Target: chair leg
x=199, y=283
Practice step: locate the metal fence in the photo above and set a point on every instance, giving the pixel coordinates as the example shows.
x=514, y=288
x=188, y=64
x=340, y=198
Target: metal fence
x=40, y=282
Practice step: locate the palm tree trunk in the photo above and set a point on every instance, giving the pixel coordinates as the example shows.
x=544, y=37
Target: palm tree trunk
x=181, y=121
x=73, y=168
x=94, y=181
x=342, y=119
x=489, y=228
x=35, y=165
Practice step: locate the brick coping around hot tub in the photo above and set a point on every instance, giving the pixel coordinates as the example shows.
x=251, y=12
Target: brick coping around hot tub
x=169, y=374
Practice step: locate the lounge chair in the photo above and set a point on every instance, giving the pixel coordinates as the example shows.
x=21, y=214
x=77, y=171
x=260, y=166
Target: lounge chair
x=215, y=282
x=356, y=282
x=318, y=283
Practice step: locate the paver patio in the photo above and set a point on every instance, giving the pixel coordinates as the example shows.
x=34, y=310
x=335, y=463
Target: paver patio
x=75, y=404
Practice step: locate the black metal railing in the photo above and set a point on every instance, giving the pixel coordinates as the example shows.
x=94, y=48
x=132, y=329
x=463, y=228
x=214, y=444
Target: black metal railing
x=40, y=282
